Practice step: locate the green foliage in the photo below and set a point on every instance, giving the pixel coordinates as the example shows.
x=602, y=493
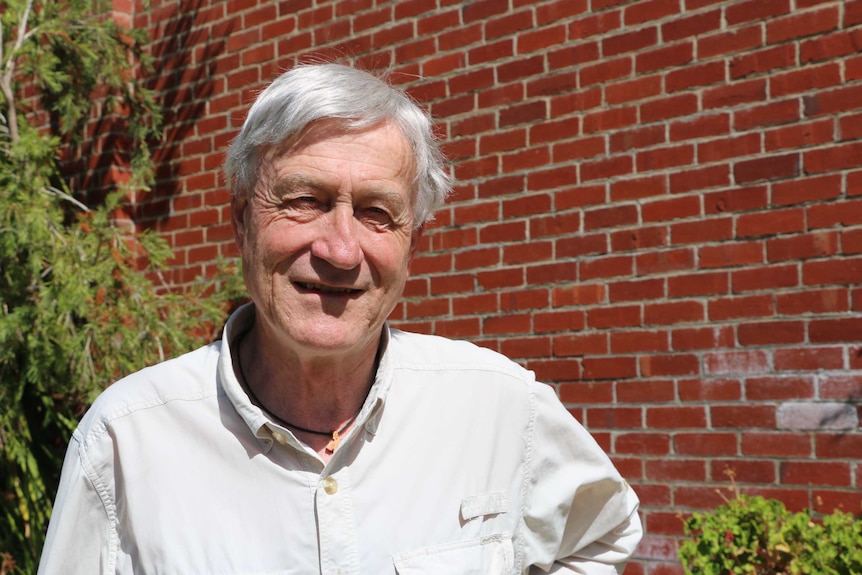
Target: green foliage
x=78, y=307
x=758, y=536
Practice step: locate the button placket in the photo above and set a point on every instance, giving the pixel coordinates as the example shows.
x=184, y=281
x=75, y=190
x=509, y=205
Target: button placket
x=335, y=524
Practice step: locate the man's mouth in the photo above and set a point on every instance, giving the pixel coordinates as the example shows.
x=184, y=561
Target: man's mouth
x=326, y=289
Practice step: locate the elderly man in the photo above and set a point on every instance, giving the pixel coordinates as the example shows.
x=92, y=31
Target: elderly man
x=314, y=438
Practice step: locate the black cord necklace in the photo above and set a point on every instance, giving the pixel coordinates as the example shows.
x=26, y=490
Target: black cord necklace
x=335, y=434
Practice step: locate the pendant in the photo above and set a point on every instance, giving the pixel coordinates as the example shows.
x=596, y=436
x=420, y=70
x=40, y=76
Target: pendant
x=333, y=443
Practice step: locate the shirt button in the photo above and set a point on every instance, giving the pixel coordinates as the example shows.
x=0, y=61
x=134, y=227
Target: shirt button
x=330, y=485
x=279, y=437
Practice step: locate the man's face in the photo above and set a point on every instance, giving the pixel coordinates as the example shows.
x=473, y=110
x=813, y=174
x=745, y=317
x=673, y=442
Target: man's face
x=327, y=236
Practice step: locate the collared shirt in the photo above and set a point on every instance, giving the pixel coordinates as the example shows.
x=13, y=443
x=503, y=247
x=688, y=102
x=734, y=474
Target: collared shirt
x=459, y=463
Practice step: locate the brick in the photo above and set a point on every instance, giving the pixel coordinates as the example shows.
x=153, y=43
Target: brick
x=742, y=416
x=664, y=158
x=642, y=443
x=743, y=470
x=633, y=90
x=839, y=100
x=645, y=391
x=601, y=218
x=799, y=135
x=765, y=278
x=637, y=188
x=728, y=147
x=807, y=189
x=666, y=365
x=776, y=444
x=587, y=392
x=691, y=26
x=829, y=46
x=614, y=316
x=703, y=444
x=638, y=341
x=731, y=255
x=832, y=271
x=608, y=120
x=559, y=10
x=835, y=158
x=843, y=214
x=669, y=107
x=772, y=114
x=558, y=321
x=580, y=245
x=808, y=23
x=635, y=290
x=667, y=210
x=806, y=416
x=814, y=473
x=752, y=306
x=605, y=267
x=673, y=312
x=699, y=284
x=751, y=10
x=527, y=252
x=701, y=126
x=779, y=388
x=665, y=261
x=581, y=294
x=573, y=53
x=507, y=24
x=578, y=149
x=838, y=446
x=474, y=304
x=730, y=42
x=614, y=418
x=772, y=223
x=699, y=179
x=580, y=344
x=710, y=389
x=805, y=80
x=736, y=362
x=668, y=56
x=666, y=469
x=694, y=75
x=629, y=41
x=809, y=358
x=760, y=61
x=604, y=71
x=697, y=232
x=640, y=238
x=541, y=39
x=842, y=387
x=769, y=168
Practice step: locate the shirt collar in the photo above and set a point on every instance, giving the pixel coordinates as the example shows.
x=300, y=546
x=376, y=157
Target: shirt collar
x=260, y=424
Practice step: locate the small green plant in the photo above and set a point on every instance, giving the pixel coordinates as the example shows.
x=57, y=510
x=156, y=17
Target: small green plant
x=758, y=536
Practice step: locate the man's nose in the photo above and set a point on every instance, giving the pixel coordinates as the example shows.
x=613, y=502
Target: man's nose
x=337, y=243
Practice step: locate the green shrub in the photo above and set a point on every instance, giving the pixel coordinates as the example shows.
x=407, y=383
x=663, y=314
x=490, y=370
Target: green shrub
x=758, y=536
x=78, y=304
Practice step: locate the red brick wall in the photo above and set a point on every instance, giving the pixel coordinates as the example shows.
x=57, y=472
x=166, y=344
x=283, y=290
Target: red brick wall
x=658, y=209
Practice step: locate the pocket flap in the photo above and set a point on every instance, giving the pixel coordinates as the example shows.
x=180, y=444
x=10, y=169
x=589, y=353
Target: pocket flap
x=484, y=504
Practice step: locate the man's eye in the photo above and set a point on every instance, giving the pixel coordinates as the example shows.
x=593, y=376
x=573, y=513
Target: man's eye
x=375, y=215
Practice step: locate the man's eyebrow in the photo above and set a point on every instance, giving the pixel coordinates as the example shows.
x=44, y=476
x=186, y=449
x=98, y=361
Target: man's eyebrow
x=290, y=182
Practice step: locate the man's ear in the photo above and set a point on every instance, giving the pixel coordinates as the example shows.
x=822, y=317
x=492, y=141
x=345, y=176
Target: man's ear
x=238, y=205
x=415, y=238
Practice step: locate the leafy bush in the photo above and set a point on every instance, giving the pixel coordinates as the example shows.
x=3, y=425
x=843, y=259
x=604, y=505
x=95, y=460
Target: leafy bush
x=78, y=303
x=754, y=535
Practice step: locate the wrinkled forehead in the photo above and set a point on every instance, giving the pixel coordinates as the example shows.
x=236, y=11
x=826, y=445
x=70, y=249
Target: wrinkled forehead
x=320, y=131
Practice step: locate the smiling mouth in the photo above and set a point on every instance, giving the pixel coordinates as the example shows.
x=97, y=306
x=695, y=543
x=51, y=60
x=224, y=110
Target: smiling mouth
x=305, y=286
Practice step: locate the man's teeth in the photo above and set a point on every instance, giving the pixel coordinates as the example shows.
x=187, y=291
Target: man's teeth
x=327, y=289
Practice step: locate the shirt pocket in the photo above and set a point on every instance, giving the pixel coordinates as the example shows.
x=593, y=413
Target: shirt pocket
x=490, y=555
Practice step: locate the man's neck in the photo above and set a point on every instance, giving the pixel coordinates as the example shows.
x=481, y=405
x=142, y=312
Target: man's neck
x=315, y=391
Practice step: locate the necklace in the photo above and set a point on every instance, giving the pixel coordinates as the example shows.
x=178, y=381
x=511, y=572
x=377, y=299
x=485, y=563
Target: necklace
x=335, y=434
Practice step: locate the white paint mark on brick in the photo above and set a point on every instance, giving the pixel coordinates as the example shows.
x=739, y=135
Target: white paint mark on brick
x=812, y=416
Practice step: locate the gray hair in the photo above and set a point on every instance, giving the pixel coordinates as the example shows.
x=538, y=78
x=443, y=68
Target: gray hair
x=308, y=93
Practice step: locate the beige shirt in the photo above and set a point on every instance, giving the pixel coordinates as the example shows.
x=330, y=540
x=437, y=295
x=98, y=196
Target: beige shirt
x=459, y=463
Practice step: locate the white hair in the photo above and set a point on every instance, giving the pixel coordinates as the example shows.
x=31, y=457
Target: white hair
x=359, y=100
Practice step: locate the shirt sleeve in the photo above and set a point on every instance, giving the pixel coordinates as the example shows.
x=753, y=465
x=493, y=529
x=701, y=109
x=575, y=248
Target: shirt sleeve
x=579, y=514
x=80, y=538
